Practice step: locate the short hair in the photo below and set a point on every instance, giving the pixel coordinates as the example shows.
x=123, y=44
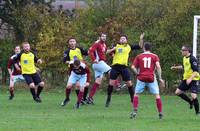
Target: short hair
x=77, y=62
x=100, y=34
x=123, y=35
x=70, y=39
x=187, y=48
x=147, y=46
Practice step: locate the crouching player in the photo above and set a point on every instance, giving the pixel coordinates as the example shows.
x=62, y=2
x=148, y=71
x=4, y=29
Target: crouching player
x=144, y=66
x=78, y=74
x=15, y=75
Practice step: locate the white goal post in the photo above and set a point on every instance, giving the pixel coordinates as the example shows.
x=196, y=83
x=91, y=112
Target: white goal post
x=195, y=34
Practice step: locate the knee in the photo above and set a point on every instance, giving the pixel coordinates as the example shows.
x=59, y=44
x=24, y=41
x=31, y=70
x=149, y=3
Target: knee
x=129, y=83
x=41, y=84
x=32, y=85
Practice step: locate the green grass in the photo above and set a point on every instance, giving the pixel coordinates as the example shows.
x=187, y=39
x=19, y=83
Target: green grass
x=24, y=114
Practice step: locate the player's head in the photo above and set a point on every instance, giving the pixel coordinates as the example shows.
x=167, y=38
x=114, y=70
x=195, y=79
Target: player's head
x=185, y=50
x=147, y=46
x=26, y=46
x=17, y=49
x=102, y=37
x=72, y=42
x=123, y=39
x=77, y=63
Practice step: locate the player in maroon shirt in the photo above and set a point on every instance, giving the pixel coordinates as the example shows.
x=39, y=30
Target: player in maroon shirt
x=15, y=74
x=144, y=66
x=97, y=53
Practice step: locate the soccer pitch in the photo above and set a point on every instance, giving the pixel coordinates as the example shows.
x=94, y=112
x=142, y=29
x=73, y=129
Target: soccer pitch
x=23, y=114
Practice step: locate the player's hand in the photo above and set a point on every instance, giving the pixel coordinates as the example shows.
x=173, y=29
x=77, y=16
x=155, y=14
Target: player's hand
x=173, y=68
x=95, y=61
x=162, y=83
x=39, y=61
x=188, y=81
x=142, y=36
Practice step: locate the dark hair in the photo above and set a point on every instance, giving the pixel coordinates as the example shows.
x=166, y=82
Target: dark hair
x=187, y=47
x=147, y=46
x=77, y=62
x=101, y=34
x=70, y=39
x=123, y=35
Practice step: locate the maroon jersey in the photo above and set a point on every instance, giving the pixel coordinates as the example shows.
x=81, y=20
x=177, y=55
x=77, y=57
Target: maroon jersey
x=11, y=66
x=97, y=51
x=146, y=63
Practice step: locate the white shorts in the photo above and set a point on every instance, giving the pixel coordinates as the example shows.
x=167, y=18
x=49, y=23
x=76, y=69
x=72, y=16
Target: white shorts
x=153, y=87
x=100, y=68
x=74, y=78
x=15, y=79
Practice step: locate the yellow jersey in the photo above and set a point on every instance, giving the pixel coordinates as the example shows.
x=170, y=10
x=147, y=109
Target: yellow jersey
x=190, y=65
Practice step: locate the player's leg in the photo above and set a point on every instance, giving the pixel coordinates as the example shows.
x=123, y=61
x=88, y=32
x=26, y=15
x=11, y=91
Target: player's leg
x=82, y=81
x=11, y=88
x=77, y=88
x=138, y=89
x=126, y=76
x=154, y=89
x=194, y=90
x=72, y=80
x=180, y=92
x=37, y=81
x=114, y=73
x=29, y=81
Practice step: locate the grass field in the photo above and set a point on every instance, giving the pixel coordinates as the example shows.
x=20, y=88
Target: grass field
x=23, y=114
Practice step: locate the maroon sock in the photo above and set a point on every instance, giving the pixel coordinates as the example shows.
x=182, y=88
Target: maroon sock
x=93, y=90
x=11, y=91
x=68, y=91
x=135, y=103
x=80, y=96
x=159, y=105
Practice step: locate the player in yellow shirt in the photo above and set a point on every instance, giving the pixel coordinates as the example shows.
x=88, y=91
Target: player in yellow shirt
x=190, y=79
x=27, y=61
x=120, y=65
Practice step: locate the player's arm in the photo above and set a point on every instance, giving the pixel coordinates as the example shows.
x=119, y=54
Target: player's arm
x=9, y=65
x=178, y=67
x=134, y=69
x=37, y=60
x=83, y=51
x=66, y=58
x=141, y=42
x=135, y=65
x=159, y=72
x=194, y=66
x=16, y=59
x=109, y=51
x=91, y=52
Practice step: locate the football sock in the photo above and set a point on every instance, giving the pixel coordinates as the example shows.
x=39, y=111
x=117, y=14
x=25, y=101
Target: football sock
x=85, y=93
x=68, y=91
x=11, y=91
x=77, y=92
x=39, y=90
x=196, y=105
x=131, y=92
x=80, y=96
x=33, y=92
x=159, y=105
x=135, y=103
x=109, y=91
x=185, y=97
x=93, y=90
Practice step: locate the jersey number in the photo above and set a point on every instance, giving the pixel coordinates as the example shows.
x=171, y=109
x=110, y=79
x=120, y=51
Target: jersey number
x=147, y=62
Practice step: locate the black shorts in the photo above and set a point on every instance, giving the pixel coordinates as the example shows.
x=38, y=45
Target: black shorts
x=32, y=78
x=120, y=70
x=193, y=86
